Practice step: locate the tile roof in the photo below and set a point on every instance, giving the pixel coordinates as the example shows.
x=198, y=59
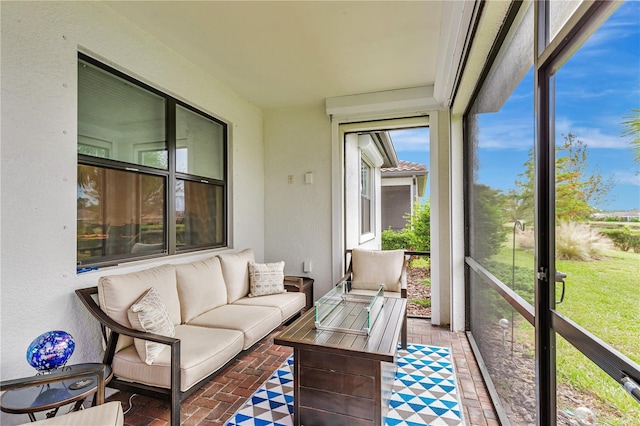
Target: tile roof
x=406, y=166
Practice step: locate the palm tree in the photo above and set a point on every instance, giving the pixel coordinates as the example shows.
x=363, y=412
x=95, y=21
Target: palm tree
x=632, y=128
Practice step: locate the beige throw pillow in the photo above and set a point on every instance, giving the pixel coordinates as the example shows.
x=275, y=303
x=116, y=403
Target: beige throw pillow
x=149, y=314
x=266, y=278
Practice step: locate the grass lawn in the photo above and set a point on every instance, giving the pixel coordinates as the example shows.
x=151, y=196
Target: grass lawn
x=603, y=297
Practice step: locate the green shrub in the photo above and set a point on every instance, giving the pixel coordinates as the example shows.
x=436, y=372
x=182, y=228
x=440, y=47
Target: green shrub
x=487, y=230
x=420, y=227
x=392, y=240
x=623, y=239
x=415, y=236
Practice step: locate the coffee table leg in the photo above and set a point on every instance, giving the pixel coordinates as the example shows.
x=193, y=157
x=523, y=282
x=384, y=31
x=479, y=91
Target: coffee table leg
x=403, y=334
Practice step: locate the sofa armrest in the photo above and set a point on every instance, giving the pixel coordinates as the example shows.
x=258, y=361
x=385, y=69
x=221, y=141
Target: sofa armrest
x=297, y=281
x=346, y=277
x=403, y=279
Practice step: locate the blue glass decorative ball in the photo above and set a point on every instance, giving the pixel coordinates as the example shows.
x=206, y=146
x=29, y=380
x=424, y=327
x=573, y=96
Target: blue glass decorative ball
x=50, y=350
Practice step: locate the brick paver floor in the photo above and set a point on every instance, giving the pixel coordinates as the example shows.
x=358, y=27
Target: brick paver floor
x=219, y=399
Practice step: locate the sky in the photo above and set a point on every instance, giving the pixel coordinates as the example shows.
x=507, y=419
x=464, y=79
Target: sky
x=595, y=91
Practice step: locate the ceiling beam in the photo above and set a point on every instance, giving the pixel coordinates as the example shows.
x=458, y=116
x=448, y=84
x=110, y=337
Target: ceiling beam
x=411, y=100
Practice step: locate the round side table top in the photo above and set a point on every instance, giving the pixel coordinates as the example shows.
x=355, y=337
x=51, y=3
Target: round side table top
x=46, y=397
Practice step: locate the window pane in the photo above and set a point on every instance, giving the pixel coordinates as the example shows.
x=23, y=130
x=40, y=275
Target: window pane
x=118, y=120
x=119, y=214
x=501, y=130
x=200, y=145
x=500, y=196
x=365, y=197
x=597, y=182
x=199, y=214
x=581, y=385
x=507, y=342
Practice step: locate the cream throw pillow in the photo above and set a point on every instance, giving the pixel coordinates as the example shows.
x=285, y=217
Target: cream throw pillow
x=149, y=314
x=266, y=278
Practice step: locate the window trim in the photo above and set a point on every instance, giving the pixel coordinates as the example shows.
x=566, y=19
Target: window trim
x=370, y=234
x=170, y=174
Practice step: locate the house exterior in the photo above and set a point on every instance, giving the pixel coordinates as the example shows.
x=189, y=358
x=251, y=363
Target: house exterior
x=366, y=155
x=288, y=87
x=402, y=187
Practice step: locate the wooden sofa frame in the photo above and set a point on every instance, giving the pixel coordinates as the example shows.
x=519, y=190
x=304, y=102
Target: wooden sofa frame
x=88, y=296
x=173, y=394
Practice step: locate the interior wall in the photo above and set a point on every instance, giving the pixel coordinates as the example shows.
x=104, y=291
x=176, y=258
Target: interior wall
x=298, y=214
x=40, y=41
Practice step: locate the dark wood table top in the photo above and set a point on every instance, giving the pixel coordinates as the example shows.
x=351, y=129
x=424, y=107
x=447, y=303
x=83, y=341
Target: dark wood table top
x=381, y=344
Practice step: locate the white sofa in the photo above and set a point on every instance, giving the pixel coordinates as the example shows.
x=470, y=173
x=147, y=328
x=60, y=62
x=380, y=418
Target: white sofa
x=209, y=307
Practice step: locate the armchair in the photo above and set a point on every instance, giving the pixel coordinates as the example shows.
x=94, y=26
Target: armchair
x=109, y=414
x=369, y=268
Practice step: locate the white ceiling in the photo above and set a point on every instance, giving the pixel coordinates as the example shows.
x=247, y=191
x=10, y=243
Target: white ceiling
x=293, y=53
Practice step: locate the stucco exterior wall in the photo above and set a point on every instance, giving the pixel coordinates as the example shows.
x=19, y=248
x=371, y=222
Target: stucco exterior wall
x=40, y=41
x=298, y=214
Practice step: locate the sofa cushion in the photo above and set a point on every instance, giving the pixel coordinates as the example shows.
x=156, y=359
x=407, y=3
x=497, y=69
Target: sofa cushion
x=266, y=278
x=116, y=293
x=235, y=270
x=254, y=321
x=202, y=352
x=289, y=303
x=149, y=314
x=200, y=287
x=374, y=267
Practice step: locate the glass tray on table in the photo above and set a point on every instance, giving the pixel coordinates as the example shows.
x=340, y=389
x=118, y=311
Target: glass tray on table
x=342, y=310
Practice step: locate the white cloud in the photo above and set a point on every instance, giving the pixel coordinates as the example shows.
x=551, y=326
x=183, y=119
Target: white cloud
x=514, y=134
x=627, y=177
x=410, y=139
x=591, y=136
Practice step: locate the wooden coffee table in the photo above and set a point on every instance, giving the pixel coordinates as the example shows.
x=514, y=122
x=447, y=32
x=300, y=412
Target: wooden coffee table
x=343, y=378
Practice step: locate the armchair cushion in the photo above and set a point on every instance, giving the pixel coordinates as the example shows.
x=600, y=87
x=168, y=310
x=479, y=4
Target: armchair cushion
x=266, y=278
x=150, y=315
x=235, y=271
x=108, y=414
x=201, y=287
x=374, y=267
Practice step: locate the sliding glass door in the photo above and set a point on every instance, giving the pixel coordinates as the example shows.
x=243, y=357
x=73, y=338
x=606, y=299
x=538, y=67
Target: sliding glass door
x=595, y=94
x=553, y=199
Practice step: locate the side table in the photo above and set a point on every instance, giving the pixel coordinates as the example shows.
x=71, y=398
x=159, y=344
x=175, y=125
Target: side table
x=302, y=284
x=32, y=399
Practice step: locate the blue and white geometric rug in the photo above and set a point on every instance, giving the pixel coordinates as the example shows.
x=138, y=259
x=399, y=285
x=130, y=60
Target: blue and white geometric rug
x=424, y=393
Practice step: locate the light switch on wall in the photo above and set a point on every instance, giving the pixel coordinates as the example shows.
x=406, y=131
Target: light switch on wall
x=306, y=266
x=308, y=178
